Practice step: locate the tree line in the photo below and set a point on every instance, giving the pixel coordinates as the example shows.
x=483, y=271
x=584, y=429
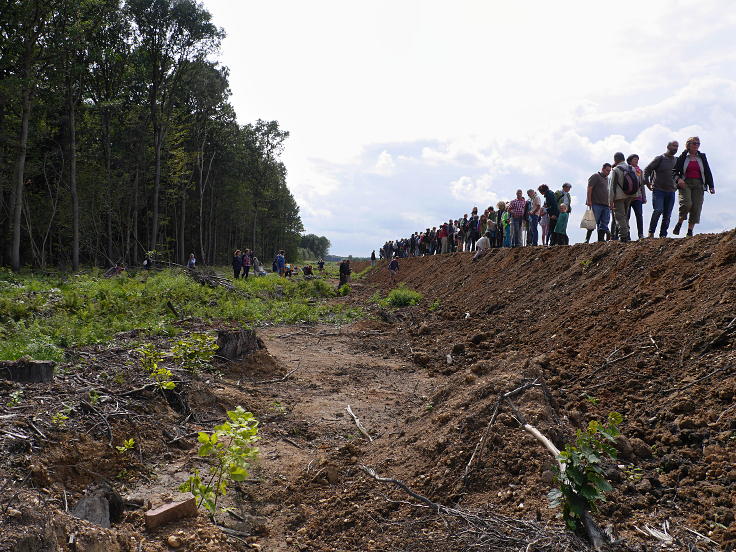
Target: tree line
x=117, y=138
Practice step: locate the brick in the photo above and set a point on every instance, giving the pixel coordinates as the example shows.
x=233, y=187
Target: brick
x=171, y=512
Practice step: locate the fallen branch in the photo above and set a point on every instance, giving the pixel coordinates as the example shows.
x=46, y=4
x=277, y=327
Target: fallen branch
x=357, y=423
x=278, y=380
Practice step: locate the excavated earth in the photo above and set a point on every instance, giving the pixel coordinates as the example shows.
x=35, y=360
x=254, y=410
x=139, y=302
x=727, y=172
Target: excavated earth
x=645, y=329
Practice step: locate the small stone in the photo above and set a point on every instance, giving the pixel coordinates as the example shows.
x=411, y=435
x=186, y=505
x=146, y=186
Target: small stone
x=173, y=541
x=449, y=360
x=13, y=513
x=255, y=546
x=458, y=349
x=333, y=476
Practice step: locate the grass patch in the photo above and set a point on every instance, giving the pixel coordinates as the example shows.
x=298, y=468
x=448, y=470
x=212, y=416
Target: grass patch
x=402, y=296
x=40, y=316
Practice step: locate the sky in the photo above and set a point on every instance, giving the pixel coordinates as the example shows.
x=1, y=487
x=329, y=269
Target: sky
x=406, y=113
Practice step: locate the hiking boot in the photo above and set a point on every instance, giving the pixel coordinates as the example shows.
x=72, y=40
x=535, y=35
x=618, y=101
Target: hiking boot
x=689, y=233
x=601, y=235
x=650, y=235
x=675, y=230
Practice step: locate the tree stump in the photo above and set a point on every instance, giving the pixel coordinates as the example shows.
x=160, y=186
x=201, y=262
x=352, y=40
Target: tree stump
x=234, y=345
x=26, y=370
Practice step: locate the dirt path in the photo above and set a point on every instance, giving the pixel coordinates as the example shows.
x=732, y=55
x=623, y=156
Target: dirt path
x=308, y=438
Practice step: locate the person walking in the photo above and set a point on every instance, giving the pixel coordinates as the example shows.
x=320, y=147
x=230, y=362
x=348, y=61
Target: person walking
x=501, y=206
x=658, y=175
x=637, y=204
x=693, y=176
x=516, y=209
x=237, y=263
x=393, y=269
x=553, y=209
x=373, y=258
x=621, y=194
x=281, y=263
x=597, y=199
x=192, y=262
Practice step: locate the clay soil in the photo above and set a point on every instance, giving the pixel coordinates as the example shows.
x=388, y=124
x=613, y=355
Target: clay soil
x=645, y=329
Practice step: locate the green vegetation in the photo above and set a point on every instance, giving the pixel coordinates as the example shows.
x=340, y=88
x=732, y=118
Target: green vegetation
x=402, y=296
x=150, y=359
x=194, y=352
x=582, y=483
x=231, y=447
x=127, y=446
x=42, y=315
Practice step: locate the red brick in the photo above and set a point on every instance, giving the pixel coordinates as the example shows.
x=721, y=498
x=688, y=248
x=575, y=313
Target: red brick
x=171, y=512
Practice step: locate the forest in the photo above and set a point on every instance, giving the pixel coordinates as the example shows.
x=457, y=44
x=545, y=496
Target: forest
x=117, y=139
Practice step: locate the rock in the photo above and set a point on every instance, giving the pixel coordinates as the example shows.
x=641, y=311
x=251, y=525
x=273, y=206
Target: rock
x=481, y=368
x=422, y=359
x=234, y=345
x=640, y=448
x=171, y=512
x=477, y=338
x=173, y=541
x=548, y=477
x=458, y=349
x=623, y=446
x=101, y=506
x=333, y=476
x=644, y=486
x=26, y=370
x=449, y=360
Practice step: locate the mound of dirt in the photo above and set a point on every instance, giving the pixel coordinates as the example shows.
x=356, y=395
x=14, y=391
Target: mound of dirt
x=645, y=329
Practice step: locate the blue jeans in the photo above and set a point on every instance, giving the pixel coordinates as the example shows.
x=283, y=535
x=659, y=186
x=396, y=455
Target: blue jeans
x=602, y=216
x=515, y=232
x=533, y=236
x=662, y=203
x=507, y=236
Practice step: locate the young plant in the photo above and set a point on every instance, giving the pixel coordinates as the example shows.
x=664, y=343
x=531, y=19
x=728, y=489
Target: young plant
x=15, y=398
x=195, y=352
x=150, y=358
x=59, y=419
x=94, y=397
x=581, y=483
x=127, y=445
x=231, y=447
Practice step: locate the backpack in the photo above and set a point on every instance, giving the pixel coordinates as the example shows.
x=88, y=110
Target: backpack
x=559, y=195
x=629, y=181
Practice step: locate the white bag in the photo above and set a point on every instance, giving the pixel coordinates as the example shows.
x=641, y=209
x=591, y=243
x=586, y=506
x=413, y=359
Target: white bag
x=588, y=220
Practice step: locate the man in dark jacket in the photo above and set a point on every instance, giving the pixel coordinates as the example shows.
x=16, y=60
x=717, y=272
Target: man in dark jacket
x=553, y=209
x=658, y=177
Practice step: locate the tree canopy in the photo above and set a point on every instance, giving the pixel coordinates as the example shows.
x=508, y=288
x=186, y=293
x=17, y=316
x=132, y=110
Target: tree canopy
x=117, y=138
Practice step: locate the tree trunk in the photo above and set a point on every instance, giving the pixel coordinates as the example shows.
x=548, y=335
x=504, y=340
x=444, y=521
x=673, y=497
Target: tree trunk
x=73, y=181
x=136, y=243
x=158, y=146
x=108, y=191
x=20, y=165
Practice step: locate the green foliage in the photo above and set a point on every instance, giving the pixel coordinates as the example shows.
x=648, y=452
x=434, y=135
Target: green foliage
x=60, y=418
x=195, y=351
x=434, y=306
x=402, y=296
x=582, y=483
x=127, y=445
x=230, y=446
x=150, y=358
x=94, y=397
x=87, y=309
x=344, y=290
x=15, y=398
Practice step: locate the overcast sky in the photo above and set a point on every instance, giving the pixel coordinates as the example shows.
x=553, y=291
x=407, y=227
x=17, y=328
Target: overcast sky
x=405, y=113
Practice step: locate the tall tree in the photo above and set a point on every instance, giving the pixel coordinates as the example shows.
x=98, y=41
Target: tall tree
x=170, y=33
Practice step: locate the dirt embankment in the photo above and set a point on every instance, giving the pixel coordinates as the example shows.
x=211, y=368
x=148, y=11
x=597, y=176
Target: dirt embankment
x=645, y=329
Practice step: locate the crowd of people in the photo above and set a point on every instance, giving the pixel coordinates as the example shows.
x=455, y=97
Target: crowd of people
x=612, y=194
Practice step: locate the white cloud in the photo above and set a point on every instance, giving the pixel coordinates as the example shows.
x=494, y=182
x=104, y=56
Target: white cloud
x=385, y=164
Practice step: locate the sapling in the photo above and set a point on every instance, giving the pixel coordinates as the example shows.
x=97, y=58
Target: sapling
x=230, y=445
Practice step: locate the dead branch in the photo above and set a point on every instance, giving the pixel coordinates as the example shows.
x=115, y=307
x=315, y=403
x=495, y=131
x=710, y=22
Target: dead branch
x=478, y=451
x=357, y=423
x=278, y=380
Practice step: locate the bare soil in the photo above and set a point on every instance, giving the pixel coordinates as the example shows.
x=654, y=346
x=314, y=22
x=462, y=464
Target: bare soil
x=646, y=329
